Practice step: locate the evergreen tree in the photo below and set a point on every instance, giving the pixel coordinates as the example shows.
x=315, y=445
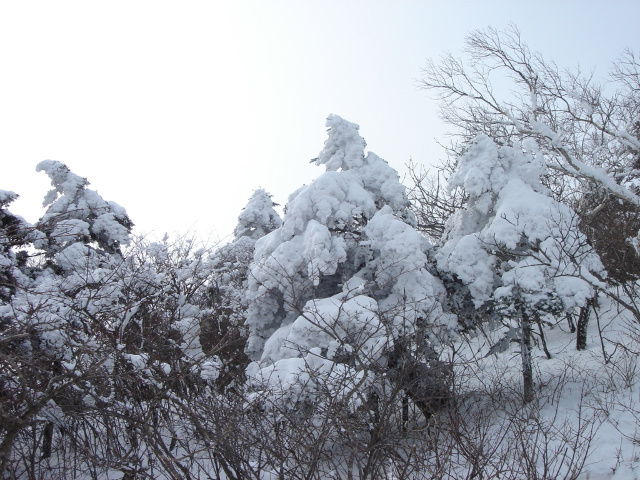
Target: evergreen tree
x=76, y=214
x=258, y=217
x=341, y=292
x=513, y=248
x=15, y=233
x=224, y=329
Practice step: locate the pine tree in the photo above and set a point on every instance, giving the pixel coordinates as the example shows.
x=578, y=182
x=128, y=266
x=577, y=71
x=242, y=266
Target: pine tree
x=341, y=292
x=76, y=214
x=258, y=217
x=515, y=250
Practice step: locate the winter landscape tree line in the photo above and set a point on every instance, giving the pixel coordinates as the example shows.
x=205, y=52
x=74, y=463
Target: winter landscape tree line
x=481, y=323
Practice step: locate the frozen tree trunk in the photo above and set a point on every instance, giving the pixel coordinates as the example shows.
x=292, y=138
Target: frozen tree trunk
x=527, y=366
x=405, y=412
x=47, y=440
x=583, y=323
x=572, y=326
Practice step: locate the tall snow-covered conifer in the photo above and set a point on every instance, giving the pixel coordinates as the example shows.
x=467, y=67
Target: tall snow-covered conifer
x=513, y=246
x=343, y=283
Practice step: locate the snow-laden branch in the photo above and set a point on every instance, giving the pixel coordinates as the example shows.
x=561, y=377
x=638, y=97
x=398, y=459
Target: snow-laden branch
x=576, y=167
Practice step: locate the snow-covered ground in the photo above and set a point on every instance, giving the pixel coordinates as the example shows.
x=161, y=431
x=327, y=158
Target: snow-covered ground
x=586, y=409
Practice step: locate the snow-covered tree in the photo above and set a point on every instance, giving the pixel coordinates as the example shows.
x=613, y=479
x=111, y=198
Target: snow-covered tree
x=76, y=214
x=57, y=321
x=100, y=334
x=224, y=329
x=81, y=235
x=258, y=217
x=513, y=246
x=587, y=130
x=15, y=233
x=341, y=292
x=586, y=125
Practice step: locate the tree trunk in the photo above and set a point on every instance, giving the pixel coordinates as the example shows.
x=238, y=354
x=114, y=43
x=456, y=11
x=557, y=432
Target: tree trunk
x=405, y=412
x=572, y=326
x=47, y=440
x=525, y=353
x=583, y=323
x=427, y=384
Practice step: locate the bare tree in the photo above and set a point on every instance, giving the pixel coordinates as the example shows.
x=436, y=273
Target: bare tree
x=431, y=201
x=586, y=132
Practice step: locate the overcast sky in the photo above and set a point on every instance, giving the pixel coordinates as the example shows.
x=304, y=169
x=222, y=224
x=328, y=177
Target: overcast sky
x=179, y=110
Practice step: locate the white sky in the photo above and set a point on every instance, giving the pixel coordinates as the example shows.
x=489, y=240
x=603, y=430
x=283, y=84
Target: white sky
x=179, y=110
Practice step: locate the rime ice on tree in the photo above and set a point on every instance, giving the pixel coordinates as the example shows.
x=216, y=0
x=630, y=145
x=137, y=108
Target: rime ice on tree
x=258, y=218
x=514, y=246
x=345, y=276
x=78, y=214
